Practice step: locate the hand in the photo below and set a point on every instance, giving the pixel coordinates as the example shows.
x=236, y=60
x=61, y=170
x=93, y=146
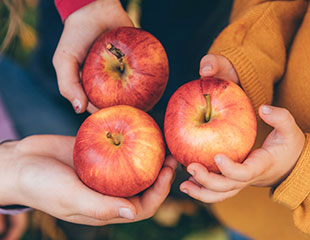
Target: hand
x=81, y=29
x=266, y=166
x=218, y=66
x=40, y=169
x=14, y=226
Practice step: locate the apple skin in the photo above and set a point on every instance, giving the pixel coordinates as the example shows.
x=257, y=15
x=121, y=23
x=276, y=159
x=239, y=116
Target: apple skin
x=231, y=129
x=144, y=77
x=119, y=170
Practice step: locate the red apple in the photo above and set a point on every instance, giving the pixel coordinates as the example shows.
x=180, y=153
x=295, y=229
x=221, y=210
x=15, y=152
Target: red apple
x=119, y=151
x=125, y=66
x=206, y=117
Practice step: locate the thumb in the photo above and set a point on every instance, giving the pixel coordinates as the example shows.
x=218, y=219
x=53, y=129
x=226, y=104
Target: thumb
x=68, y=77
x=103, y=207
x=219, y=66
x=279, y=118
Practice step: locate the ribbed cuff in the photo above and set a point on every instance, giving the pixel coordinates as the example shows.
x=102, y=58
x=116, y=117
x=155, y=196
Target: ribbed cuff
x=296, y=187
x=247, y=75
x=66, y=7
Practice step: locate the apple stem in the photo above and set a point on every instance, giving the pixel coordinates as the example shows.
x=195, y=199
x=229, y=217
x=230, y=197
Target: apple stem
x=208, y=112
x=114, y=139
x=118, y=54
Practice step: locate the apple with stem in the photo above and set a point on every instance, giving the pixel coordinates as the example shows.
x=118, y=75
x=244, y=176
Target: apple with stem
x=206, y=117
x=119, y=151
x=125, y=66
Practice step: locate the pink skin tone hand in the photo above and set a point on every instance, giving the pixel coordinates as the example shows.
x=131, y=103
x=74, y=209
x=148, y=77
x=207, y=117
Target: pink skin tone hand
x=81, y=29
x=41, y=173
x=266, y=166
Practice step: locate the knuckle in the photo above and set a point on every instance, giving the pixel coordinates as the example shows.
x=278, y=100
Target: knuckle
x=63, y=91
x=103, y=214
x=56, y=60
x=287, y=117
x=248, y=176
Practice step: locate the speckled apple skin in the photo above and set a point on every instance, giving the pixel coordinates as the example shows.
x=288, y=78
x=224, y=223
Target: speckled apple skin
x=145, y=75
x=122, y=170
x=230, y=131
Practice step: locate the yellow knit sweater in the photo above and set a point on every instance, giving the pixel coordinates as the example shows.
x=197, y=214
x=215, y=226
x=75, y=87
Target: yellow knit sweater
x=268, y=43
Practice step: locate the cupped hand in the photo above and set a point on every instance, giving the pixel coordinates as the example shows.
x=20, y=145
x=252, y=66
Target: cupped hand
x=212, y=65
x=42, y=176
x=81, y=29
x=266, y=166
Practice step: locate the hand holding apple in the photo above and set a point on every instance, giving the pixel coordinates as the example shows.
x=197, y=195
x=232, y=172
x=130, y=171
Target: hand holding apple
x=266, y=166
x=126, y=66
x=206, y=117
x=41, y=175
x=81, y=29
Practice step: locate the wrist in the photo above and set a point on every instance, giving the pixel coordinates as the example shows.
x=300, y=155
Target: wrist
x=8, y=173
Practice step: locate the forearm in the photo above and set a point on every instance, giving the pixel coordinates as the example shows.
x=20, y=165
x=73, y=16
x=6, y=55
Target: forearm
x=256, y=42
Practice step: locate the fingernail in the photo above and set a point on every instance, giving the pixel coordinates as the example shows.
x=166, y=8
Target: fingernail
x=184, y=190
x=218, y=160
x=191, y=172
x=266, y=109
x=206, y=69
x=77, y=105
x=126, y=213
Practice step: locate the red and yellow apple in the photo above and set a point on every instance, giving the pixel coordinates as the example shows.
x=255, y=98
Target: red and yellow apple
x=206, y=117
x=119, y=151
x=126, y=66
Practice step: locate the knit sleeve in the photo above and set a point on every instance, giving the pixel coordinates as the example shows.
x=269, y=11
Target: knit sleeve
x=256, y=42
x=294, y=191
x=66, y=7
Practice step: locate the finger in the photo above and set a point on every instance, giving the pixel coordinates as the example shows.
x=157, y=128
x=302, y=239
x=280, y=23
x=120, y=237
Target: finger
x=54, y=146
x=279, y=118
x=102, y=207
x=205, y=195
x=153, y=197
x=252, y=167
x=68, y=77
x=18, y=225
x=218, y=66
x=209, y=66
x=91, y=108
x=213, y=181
x=60, y=184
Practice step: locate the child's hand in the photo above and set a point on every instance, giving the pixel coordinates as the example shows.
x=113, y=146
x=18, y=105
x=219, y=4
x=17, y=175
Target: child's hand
x=81, y=29
x=38, y=172
x=266, y=166
x=218, y=66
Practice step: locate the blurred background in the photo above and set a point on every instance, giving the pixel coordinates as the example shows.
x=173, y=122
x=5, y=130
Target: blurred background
x=31, y=104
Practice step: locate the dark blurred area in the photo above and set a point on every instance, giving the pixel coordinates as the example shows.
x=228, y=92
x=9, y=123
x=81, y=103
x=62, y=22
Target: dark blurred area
x=30, y=96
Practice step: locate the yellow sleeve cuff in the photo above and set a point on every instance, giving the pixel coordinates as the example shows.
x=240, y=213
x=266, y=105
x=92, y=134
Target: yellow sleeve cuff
x=296, y=187
x=248, y=77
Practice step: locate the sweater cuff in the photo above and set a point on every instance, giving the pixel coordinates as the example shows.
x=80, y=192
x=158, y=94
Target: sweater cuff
x=247, y=75
x=295, y=188
x=66, y=7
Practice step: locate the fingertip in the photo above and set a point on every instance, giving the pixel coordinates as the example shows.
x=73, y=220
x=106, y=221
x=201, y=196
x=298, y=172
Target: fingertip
x=220, y=159
x=206, y=70
x=208, y=66
x=171, y=162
